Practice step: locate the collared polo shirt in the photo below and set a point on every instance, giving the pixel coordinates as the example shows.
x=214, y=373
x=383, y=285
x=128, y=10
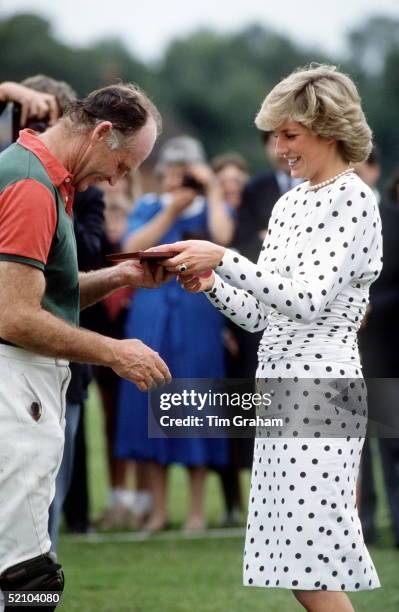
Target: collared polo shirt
x=36, y=225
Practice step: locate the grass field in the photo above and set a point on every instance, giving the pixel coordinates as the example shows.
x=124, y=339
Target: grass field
x=172, y=573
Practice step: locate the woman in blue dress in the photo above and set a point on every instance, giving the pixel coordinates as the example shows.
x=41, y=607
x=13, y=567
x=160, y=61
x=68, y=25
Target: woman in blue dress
x=186, y=331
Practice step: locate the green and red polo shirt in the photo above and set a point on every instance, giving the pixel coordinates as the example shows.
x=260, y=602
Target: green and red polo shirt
x=36, y=225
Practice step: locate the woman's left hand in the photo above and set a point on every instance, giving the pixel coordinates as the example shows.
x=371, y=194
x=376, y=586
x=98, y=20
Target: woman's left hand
x=195, y=256
x=196, y=284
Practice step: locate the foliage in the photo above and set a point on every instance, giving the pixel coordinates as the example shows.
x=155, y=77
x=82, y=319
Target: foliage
x=211, y=84
x=84, y=68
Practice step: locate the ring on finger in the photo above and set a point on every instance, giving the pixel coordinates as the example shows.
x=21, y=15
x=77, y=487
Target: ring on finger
x=183, y=267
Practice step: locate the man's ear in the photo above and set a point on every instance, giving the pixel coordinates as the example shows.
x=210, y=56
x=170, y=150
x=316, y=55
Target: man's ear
x=101, y=131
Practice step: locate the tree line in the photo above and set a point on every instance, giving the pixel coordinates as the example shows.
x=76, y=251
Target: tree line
x=210, y=84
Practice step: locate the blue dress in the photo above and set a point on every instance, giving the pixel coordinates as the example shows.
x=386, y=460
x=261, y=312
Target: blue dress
x=186, y=331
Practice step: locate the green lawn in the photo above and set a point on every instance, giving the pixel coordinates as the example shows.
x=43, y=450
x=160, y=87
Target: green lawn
x=184, y=575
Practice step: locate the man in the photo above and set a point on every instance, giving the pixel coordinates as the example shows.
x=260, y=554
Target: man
x=378, y=340
x=88, y=222
x=259, y=196
x=370, y=171
x=99, y=138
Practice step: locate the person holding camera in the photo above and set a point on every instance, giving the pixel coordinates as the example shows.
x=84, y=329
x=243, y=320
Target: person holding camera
x=30, y=103
x=189, y=204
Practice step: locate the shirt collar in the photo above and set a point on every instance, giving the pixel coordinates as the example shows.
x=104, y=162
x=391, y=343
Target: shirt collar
x=57, y=172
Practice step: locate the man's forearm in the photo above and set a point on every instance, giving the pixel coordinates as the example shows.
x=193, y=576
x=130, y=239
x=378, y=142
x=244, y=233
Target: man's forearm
x=94, y=286
x=26, y=324
x=41, y=332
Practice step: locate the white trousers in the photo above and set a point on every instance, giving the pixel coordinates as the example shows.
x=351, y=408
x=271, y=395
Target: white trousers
x=32, y=420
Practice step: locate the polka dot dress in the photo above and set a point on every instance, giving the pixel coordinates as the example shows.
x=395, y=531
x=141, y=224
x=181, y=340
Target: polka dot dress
x=308, y=292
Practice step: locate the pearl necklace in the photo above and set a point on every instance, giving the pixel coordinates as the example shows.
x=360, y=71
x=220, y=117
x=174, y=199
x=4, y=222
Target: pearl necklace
x=329, y=181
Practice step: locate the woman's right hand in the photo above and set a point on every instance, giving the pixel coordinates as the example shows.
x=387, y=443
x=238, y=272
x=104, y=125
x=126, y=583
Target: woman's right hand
x=197, y=283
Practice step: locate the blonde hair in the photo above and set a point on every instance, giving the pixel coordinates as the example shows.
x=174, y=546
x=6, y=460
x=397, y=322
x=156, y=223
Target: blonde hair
x=324, y=100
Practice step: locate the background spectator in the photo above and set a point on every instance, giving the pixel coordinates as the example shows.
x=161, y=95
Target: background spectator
x=125, y=508
x=258, y=198
x=370, y=171
x=378, y=342
x=231, y=170
x=185, y=330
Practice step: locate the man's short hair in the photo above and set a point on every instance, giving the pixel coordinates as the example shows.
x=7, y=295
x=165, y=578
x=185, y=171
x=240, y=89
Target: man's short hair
x=125, y=105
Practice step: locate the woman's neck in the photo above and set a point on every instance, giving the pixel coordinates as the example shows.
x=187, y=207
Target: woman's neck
x=329, y=172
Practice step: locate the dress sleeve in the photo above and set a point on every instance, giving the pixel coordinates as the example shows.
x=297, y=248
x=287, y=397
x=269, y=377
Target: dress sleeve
x=341, y=245
x=238, y=305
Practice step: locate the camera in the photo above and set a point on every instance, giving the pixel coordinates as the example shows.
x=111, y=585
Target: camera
x=34, y=123
x=191, y=182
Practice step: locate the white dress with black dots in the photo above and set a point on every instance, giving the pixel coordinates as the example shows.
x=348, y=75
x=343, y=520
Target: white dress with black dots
x=309, y=292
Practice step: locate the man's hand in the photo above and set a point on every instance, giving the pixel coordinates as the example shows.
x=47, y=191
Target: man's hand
x=141, y=365
x=95, y=286
x=142, y=275
x=26, y=324
x=33, y=103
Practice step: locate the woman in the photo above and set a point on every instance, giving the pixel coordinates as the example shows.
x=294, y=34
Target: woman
x=188, y=205
x=309, y=292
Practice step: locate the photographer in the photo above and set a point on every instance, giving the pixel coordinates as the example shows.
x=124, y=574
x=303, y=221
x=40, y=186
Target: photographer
x=31, y=103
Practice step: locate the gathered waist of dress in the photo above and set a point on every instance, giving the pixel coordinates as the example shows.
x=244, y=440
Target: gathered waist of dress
x=331, y=339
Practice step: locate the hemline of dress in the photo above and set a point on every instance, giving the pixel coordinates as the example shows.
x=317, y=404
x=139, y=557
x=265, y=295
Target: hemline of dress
x=301, y=587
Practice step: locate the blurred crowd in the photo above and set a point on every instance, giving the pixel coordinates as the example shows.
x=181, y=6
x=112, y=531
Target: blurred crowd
x=184, y=195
